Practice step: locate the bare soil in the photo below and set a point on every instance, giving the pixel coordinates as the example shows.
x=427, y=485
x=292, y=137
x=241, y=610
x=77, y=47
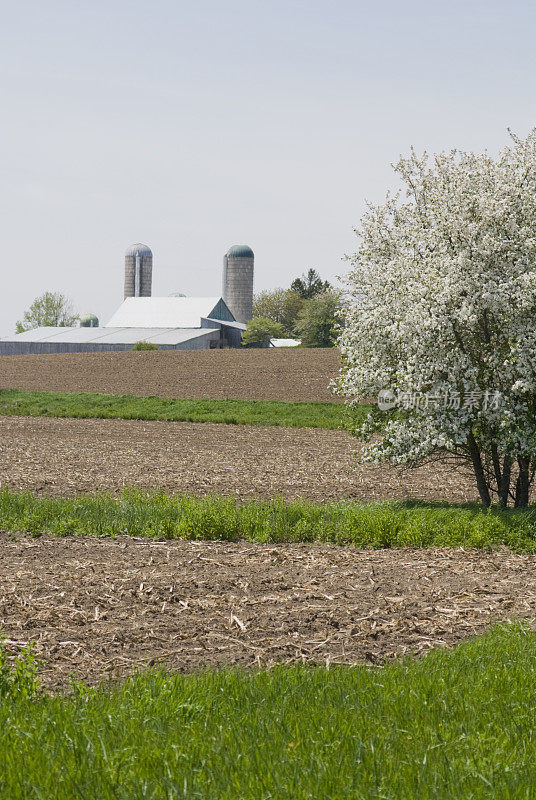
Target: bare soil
x=101, y=608
x=70, y=456
x=265, y=374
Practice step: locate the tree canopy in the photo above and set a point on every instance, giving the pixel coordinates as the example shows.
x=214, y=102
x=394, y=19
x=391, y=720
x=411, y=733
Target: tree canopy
x=309, y=285
x=298, y=311
x=279, y=305
x=319, y=319
x=50, y=309
x=441, y=318
x=260, y=330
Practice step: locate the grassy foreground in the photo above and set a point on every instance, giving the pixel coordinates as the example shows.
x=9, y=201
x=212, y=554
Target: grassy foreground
x=238, y=412
x=456, y=724
x=159, y=515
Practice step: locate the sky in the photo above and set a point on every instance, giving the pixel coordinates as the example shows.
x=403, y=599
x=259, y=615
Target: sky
x=193, y=126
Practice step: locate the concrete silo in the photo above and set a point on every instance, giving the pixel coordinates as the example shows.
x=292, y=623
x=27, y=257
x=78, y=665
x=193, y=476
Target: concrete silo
x=138, y=271
x=238, y=281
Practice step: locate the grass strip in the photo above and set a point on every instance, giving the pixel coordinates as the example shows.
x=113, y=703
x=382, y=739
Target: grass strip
x=163, y=516
x=14, y=402
x=456, y=724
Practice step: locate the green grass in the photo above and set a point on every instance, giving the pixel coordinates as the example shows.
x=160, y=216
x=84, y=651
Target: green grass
x=159, y=515
x=455, y=725
x=239, y=412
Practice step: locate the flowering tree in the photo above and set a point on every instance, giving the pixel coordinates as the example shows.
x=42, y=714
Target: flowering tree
x=441, y=318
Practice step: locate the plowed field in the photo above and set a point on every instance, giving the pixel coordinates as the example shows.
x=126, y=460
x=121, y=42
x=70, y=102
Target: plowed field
x=69, y=456
x=101, y=607
x=276, y=374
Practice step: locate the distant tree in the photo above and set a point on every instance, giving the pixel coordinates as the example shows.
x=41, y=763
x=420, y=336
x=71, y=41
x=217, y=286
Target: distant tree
x=279, y=305
x=309, y=285
x=145, y=346
x=319, y=320
x=50, y=309
x=260, y=330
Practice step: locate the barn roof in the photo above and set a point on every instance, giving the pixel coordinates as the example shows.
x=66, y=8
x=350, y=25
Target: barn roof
x=169, y=336
x=167, y=321
x=167, y=312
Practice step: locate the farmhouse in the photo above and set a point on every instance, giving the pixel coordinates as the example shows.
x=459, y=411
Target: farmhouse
x=172, y=323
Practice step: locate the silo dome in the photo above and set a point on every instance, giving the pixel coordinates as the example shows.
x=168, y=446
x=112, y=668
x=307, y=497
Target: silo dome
x=139, y=249
x=240, y=251
x=89, y=321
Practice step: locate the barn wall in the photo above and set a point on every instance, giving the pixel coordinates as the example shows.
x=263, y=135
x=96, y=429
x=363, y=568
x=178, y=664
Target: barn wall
x=47, y=348
x=232, y=337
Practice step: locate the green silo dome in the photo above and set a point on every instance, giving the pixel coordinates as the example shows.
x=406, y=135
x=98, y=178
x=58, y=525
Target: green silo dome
x=89, y=321
x=240, y=251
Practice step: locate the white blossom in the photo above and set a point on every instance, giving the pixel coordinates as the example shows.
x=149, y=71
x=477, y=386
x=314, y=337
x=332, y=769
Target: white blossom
x=442, y=300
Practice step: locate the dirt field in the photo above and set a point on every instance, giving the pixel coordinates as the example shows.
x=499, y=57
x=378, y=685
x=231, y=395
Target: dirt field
x=276, y=374
x=101, y=607
x=69, y=456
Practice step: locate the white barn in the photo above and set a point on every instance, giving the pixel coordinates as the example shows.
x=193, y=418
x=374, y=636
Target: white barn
x=171, y=323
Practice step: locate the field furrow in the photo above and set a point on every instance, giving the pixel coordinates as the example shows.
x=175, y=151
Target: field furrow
x=104, y=607
x=274, y=374
x=69, y=456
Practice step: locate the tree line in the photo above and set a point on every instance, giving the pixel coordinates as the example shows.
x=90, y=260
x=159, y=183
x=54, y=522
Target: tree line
x=309, y=310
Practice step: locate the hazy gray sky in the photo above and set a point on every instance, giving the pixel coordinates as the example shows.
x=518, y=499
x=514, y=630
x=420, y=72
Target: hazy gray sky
x=195, y=126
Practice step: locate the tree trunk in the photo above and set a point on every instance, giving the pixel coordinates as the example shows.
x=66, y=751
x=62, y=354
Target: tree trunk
x=504, y=484
x=496, y=466
x=523, y=483
x=476, y=459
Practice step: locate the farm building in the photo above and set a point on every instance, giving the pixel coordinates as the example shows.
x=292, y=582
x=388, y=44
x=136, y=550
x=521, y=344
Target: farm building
x=171, y=323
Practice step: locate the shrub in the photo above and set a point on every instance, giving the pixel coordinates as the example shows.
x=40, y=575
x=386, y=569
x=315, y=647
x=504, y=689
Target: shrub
x=260, y=330
x=145, y=346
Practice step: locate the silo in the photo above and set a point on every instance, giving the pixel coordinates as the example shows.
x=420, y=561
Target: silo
x=238, y=281
x=138, y=271
x=89, y=321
